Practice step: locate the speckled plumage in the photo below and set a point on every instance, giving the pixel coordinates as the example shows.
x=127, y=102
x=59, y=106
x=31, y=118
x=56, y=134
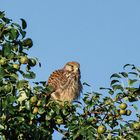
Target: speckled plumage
x=66, y=82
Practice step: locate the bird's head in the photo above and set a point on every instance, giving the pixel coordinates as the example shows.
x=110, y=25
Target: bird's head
x=72, y=67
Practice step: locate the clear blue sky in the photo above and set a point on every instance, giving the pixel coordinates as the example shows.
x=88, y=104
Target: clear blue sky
x=102, y=35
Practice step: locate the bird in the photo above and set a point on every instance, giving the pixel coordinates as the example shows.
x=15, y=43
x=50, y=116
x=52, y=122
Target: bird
x=66, y=83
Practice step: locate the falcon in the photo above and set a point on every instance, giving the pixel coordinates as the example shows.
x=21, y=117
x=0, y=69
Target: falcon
x=66, y=82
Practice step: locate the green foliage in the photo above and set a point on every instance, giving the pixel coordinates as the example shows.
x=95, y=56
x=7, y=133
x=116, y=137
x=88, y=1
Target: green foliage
x=27, y=112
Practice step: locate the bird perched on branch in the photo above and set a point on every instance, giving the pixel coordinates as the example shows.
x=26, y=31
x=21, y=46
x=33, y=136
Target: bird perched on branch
x=66, y=82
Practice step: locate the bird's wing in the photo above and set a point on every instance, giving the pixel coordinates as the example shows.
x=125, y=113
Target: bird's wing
x=57, y=79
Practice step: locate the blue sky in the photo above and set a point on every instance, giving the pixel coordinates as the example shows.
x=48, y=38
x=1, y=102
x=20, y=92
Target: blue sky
x=102, y=35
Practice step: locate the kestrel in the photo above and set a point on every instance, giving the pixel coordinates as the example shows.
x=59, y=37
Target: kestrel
x=66, y=82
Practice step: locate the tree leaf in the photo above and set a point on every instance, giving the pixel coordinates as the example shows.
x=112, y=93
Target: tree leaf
x=1, y=127
x=6, y=49
x=124, y=74
x=22, y=84
x=39, y=64
x=137, y=135
x=114, y=81
x=6, y=20
x=29, y=75
x=2, y=72
x=2, y=14
x=27, y=42
x=138, y=70
x=117, y=87
x=11, y=99
x=13, y=34
x=23, y=33
x=28, y=105
x=133, y=73
x=24, y=24
x=131, y=82
x=111, y=92
x=20, y=119
x=115, y=75
x=127, y=65
x=15, y=25
x=102, y=88
x=86, y=84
